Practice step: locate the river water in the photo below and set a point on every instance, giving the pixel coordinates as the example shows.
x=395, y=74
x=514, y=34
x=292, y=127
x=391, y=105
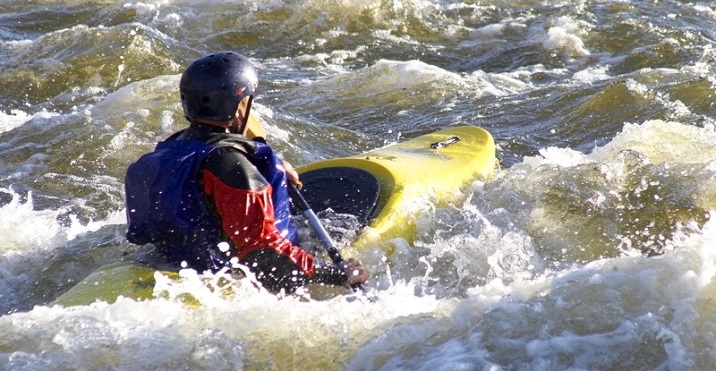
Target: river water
x=592, y=248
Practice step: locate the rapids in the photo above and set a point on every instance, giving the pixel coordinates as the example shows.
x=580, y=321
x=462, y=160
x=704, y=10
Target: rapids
x=592, y=248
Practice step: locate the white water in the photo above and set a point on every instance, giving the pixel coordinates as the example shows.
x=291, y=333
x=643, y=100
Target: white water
x=540, y=268
x=518, y=307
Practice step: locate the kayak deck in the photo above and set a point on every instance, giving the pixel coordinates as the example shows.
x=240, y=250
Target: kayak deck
x=438, y=164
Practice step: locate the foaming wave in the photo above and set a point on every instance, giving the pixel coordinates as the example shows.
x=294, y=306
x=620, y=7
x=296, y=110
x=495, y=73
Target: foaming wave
x=19, y=225
x=15, y=118
x=219, y=333
x=24, y=244
x=38, y=249
x=386, y=76
x=663, y=142
x=564, y=35
x=595, y=316
x=629, y=196
x=561, y=36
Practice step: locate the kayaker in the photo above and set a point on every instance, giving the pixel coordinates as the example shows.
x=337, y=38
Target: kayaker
x=215, y=193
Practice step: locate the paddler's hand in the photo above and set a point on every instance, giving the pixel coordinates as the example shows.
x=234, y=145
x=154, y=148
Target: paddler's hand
x=291, y=174
x=357, y=275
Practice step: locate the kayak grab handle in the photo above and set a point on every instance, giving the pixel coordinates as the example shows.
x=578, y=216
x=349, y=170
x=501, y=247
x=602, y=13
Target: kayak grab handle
x=444, y=143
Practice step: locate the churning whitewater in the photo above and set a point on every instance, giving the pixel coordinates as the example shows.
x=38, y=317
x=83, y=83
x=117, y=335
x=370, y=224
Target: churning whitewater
x=591, y=248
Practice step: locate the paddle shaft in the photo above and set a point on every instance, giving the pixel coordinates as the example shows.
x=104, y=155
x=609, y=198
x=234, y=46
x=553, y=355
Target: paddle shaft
x=323, y=235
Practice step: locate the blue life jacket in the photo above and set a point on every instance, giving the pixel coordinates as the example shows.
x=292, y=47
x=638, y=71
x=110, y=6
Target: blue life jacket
x=167, y=207
x=270, y=166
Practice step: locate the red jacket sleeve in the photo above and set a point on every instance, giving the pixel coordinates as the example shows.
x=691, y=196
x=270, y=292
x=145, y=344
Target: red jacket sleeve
x=247, y=219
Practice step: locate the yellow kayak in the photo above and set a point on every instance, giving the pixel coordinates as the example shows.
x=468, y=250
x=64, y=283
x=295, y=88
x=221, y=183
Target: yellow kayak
x=383, y=188
x=436, y=164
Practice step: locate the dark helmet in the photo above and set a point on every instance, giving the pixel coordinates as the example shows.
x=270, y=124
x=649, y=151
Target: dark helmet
x=213, y=85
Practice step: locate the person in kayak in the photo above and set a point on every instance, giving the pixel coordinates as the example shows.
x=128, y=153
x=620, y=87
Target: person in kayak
x=216, y=193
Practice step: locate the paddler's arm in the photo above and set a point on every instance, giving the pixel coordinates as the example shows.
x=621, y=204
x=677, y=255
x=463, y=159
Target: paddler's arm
x=255, y=131
x=242, y=200
x=277, y=272
x=291, y=173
